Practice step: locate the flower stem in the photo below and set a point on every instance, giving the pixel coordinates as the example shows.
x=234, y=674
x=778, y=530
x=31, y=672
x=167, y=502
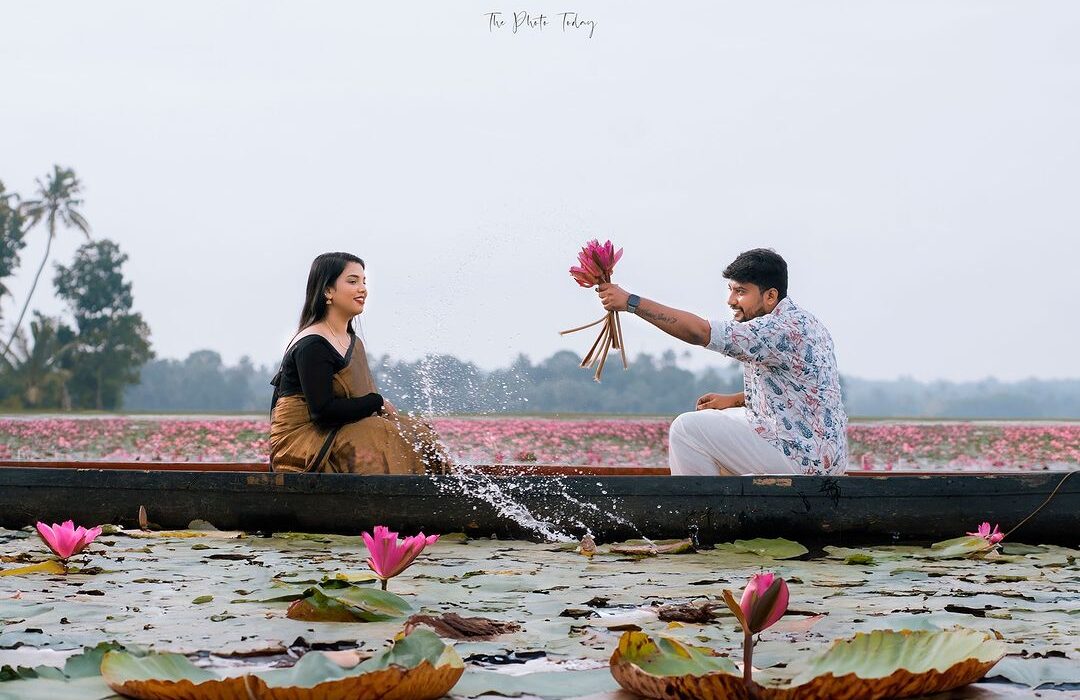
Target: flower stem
x=384, y=583
x=747, y=658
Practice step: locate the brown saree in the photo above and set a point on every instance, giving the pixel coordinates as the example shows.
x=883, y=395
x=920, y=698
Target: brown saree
x=378, y=444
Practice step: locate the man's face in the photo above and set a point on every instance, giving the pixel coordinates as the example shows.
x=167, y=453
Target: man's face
x=747, y=301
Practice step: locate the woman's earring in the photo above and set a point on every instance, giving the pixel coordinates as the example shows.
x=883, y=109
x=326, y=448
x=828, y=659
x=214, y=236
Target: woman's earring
x=329, y=300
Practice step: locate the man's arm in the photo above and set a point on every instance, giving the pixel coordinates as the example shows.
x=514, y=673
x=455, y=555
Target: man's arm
x=685, y=326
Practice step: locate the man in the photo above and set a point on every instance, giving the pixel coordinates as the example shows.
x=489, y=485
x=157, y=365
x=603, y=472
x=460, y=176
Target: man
x=789, y=418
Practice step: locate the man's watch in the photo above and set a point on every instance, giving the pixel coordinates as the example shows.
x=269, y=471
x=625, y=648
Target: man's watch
x=632, y=303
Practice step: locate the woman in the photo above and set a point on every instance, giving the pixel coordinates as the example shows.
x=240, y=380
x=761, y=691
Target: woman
x=326, y=414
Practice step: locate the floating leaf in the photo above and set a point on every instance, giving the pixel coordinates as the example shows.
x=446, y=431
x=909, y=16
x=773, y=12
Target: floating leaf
x=49, y=566
x=202, y=599
x=881, y=664
x=778, y=548
x=888, y=664
x=351, y=604
x=419, y=666
x=652, y=549
x=1037, y=672
x=545, y=684
x=667, y=668
x=959, y=548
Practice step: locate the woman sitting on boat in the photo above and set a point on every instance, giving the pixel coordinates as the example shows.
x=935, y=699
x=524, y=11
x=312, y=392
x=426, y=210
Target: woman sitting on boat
x=326, y=414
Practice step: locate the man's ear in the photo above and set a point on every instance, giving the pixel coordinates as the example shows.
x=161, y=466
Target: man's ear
x=772, y=297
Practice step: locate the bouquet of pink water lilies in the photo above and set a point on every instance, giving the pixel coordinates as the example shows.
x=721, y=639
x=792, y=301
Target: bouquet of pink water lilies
x=596, y=261
x=389, y=555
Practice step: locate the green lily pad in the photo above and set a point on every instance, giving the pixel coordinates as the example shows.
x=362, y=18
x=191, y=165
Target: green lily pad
x=777, y=548
x=419, y=665
x=885, y=663
x=352, y=604
x=669, y=657
x=958, y=548
x=546, y=684
x=1037, y=672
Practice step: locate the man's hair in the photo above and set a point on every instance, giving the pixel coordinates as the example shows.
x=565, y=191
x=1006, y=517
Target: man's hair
x=761, y=266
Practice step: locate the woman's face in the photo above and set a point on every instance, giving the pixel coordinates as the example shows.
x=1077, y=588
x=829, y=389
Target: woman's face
x=350, y=290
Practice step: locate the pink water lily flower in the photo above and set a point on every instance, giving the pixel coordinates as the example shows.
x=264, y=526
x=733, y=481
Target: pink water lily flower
x=67, y=540
x=764, y=601
x=992, y=536
x=389, y=557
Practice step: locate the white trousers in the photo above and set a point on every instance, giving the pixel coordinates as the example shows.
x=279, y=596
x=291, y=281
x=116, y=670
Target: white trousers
x=714, y=442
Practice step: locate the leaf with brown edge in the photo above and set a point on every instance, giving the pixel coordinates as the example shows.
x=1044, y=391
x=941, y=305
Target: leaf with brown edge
x=667, y=668
x=418, y=666
x=890, y=664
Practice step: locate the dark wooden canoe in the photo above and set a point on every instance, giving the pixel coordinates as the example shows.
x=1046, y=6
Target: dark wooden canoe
x=614, y=503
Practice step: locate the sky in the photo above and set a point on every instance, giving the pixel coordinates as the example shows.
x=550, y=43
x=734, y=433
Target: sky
x=917, y=163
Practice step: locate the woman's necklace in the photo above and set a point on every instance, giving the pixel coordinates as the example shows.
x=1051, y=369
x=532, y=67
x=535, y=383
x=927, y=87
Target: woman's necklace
x=343, y=345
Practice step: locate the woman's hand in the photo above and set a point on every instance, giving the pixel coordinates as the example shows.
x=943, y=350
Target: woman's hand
x=719, y=401
x=612, y=296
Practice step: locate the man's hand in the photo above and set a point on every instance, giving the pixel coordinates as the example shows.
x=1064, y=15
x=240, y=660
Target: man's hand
x=719, y=401
x=612, y=296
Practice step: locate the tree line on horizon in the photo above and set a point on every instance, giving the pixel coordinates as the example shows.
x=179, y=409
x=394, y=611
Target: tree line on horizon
x=445, y=385
x=97, y=356
x=86, y=357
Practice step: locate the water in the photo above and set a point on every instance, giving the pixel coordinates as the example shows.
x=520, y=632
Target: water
x=425, y=389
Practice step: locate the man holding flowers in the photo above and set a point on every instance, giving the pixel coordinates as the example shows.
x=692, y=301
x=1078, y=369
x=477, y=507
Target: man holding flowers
x=789, y=419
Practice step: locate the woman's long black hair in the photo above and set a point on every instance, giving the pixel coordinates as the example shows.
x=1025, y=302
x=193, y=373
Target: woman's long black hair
x=325, y=270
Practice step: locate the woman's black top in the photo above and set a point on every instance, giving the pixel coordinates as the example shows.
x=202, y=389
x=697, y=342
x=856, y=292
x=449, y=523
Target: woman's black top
x=309, y=368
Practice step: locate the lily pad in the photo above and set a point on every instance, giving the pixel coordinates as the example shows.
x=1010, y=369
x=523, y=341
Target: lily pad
x=667, y=668
x=777, y=548
x=1038, y=672
x=882, y=664
x=545, y=684
x=888, y=664
x=352, y=604
x=419, y=666
x=959, y=548
x=49, y=566
x=652, y=549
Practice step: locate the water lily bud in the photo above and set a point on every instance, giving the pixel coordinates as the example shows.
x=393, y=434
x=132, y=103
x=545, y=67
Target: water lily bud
x=764, y=601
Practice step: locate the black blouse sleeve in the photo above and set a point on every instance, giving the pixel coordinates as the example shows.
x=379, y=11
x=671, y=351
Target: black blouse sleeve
x=315, y=365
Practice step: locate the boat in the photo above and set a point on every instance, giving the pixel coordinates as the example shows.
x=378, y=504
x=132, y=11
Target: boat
x=613, y=503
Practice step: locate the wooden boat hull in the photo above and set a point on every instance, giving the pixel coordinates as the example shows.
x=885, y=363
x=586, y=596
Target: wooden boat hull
x=847, y=509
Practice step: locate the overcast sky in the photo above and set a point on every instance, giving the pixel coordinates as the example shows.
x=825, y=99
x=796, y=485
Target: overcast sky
x=917, y=164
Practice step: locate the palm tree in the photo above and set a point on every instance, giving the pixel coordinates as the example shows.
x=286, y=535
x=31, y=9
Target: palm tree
x=34, y=372
x=56, y=201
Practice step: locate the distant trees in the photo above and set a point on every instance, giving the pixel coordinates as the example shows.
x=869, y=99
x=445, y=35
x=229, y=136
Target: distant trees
x=110, y=342
x=87, y=359
x=32, y=374
x=444, y=384
x=12, y=235
x=201, y=383
x=57, y=203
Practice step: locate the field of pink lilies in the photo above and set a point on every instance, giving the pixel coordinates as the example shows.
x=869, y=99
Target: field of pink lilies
x=879, y=446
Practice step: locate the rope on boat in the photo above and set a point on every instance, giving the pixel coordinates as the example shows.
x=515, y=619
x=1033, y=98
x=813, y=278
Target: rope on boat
x=1044, y=503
